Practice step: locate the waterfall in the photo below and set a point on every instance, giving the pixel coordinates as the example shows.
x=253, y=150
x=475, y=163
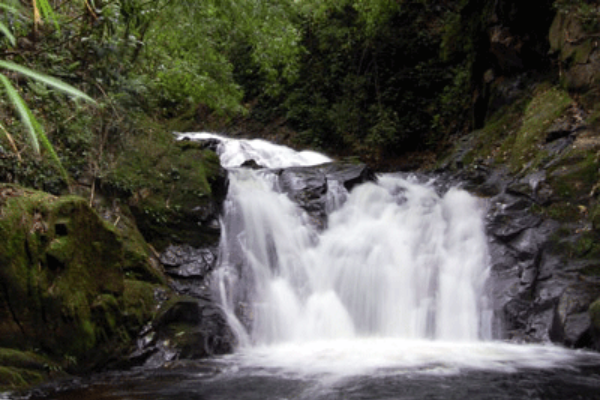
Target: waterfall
x=396, y=259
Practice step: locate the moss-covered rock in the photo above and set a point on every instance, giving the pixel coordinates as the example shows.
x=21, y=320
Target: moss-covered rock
x=25, y=368
x=62, y=283
x=175, y=188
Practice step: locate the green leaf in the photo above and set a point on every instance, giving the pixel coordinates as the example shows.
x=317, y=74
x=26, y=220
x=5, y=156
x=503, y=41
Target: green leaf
x=48, y=80
x=4, y=29
x=41, y=135
x=8, y=7
x=23, y=111
x=48, y=13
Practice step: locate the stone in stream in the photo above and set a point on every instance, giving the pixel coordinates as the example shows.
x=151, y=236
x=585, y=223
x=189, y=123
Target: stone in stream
x=309, y=186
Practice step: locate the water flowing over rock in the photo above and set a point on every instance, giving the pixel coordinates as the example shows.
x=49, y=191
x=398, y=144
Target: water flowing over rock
x=539, y=288
x=330, y=251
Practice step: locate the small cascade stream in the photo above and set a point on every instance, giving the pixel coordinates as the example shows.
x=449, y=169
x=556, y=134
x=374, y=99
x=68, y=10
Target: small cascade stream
x=396, y=260
x=396, y=278
x=337, y=291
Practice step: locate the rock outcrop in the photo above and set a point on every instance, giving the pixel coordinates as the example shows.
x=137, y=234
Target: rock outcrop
x=543, y=277
x=72, y=287
x=310, y=187
x=538, y=168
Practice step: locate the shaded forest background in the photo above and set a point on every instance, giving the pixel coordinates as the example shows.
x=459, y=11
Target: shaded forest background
x=375, y=79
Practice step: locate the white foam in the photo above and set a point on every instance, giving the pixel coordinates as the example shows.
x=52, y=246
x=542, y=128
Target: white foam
x=387, y=356
x=234, y=152
x=394, y=285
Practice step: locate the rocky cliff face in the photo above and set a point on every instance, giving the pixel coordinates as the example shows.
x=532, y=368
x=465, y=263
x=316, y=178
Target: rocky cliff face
x=544, y=275
x=536, y=159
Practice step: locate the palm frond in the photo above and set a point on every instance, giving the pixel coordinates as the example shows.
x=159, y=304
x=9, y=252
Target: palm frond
x=8, y=7
x=4, y=29
x=41, y=136
x=48, y=80
x=48, y=13
x=23, y=110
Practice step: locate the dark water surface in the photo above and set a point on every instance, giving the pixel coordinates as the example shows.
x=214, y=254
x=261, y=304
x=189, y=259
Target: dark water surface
x=221, y=380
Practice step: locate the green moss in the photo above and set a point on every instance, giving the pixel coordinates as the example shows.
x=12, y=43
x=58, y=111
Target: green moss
x=12, y=378
x=591, y=270
x=594, y=214
x=138, y=302
x=547, y=104
x=582, y=52
x=575, y=174
x=594, y=312
x=22, y=359
x=154, y=161
x=166, y=180
x=513, y=135
x=493, y=143
x=62, y=286
x=561, y=211
x=585, y=245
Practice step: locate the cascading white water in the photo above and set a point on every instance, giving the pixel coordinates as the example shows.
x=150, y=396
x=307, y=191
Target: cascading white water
x=396, y=260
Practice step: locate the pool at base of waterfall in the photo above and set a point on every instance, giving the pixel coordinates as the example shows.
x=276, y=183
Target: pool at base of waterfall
x=387, y=300
x=356, y=369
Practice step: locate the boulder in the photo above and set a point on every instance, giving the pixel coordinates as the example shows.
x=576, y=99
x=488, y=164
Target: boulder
x=64, y=289
x=175, y=189
x=185, y=328
x=315, y=188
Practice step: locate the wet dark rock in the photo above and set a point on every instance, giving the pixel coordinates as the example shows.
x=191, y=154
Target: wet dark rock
x=536, y=282
x=185, y=328
x=534, y=186
x=309, y=186
x=347, y=174
x=558, y=146
x=209, y=144
x=573, y=323
x=559, y=130
x=184, y=261
x=252, y=164
x=506, y=226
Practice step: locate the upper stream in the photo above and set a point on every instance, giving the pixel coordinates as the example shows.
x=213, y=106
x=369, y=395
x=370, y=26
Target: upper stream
x=384, y=299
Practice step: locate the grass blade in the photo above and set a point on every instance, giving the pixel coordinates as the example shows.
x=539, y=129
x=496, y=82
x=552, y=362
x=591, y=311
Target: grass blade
x=41, y=135
x=8, y=8
x=48, y=80
x=48, y=13
x=4, y=29
x=12, y=142
x=23, y=111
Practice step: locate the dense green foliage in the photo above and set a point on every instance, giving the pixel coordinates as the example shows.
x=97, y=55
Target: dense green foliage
x=378, y=78
x=378, y=75
x=375, y=77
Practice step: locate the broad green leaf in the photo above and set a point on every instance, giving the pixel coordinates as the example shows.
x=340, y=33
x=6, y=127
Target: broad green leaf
x=48, y=80
x=23, y=111
x=7, y=33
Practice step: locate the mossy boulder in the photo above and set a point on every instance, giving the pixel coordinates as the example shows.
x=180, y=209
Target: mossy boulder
x=186, y=328
x=175, y=188
x=63, y=285
x=25, y=368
